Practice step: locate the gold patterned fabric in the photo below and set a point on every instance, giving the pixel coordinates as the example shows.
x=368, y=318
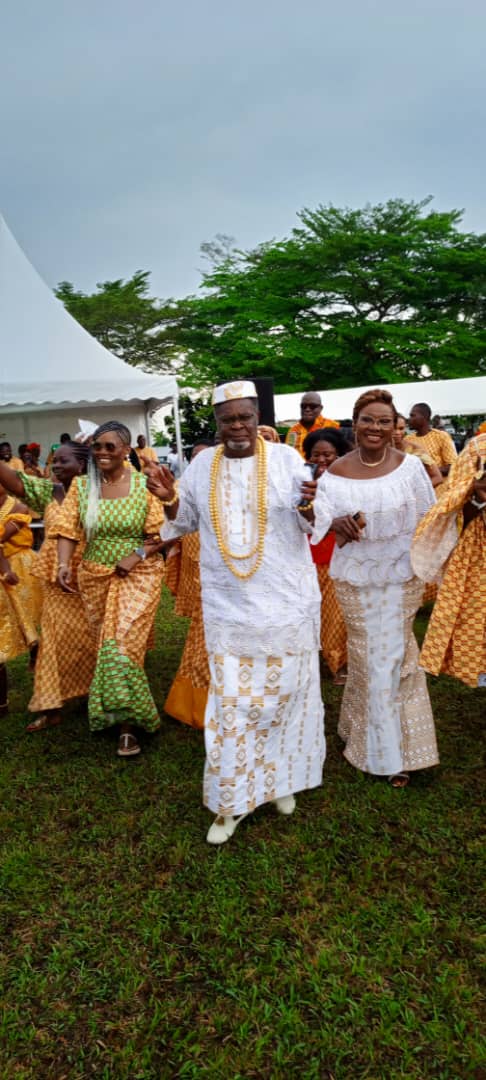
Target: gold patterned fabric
x=333, y=626
x=455, y=643
x=188, y=695
x=188, y=596
x=21, y=604
x=438, y=446
x=386, y=719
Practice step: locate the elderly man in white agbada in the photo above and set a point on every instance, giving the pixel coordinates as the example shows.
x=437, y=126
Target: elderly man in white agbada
x=264, y=721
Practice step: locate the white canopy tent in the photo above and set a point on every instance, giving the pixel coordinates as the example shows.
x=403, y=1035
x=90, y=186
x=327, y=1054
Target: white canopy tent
x=447, y=397
x=53, y=372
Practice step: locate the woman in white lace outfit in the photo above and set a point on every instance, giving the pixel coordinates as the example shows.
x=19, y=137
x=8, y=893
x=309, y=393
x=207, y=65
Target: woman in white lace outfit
x=386, y=718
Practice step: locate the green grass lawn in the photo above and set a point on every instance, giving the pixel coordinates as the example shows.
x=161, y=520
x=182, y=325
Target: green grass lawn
x=342, y=942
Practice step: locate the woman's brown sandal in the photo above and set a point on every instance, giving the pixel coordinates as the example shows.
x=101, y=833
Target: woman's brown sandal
x=41, y=723
x=128, y=745
x=399, y=779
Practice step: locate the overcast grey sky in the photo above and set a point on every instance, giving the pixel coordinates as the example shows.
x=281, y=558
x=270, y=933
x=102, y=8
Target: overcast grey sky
x=132, y=132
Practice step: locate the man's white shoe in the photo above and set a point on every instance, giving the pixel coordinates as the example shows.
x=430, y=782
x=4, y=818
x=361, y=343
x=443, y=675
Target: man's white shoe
x=286, y=805
x=222, y=828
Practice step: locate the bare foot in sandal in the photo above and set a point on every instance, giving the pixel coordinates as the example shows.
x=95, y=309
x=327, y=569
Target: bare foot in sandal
x=399, y=779
x=128, y=745
x=51, y=718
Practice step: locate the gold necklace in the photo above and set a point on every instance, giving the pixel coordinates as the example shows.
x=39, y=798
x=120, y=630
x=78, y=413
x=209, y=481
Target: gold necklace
x=262, y=479
x=372, y=464
x=113, y=483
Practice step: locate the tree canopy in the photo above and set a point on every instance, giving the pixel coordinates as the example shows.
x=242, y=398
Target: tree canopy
x=122, y=316
x=386, y=293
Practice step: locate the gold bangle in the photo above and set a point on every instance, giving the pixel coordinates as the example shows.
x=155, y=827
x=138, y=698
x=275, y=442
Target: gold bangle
x=170, y=502
x=309, y=506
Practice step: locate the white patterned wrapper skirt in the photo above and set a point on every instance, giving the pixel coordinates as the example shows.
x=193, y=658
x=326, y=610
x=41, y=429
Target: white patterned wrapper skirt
x=386, y=718
x=264, y=730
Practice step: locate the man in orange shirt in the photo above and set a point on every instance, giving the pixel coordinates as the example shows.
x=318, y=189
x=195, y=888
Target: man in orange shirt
x=310, y=420
x=147, y=456
x=438, y=444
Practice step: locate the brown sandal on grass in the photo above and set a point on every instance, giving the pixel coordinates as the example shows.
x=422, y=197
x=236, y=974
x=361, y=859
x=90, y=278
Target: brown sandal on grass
x=44, y=721
x=128, y=745
x=399, y=779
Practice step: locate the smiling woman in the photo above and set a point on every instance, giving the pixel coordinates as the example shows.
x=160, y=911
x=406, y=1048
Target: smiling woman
x=386, y=720
x=120, y=578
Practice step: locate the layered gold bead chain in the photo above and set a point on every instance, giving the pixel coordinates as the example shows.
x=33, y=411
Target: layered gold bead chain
x=262, y=479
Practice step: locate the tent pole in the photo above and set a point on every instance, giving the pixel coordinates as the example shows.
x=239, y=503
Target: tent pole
x=177, y=425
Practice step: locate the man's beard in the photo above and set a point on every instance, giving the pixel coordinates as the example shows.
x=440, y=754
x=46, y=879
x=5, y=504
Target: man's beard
x=238, y=445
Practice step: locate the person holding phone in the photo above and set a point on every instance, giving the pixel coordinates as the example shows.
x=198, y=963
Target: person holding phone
x=375, y=497
x=263, y=725
x=450, y=547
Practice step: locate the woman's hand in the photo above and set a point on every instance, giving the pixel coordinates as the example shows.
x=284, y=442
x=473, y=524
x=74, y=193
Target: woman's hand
x=65, y=577
x=308, y=490
x=123, y=567
x=479, y=488
x=347, y=530
x=8, y=576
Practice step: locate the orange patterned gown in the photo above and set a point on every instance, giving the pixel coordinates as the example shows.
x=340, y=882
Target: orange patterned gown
x=120, y=610
x=187, y=697
x=20, y=605
x=67, y=655
x=455, y=643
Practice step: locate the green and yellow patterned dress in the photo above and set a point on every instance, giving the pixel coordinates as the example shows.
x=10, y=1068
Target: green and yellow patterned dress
x=120, y=610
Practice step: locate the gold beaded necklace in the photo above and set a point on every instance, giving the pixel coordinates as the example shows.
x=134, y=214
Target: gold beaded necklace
x=227, y=555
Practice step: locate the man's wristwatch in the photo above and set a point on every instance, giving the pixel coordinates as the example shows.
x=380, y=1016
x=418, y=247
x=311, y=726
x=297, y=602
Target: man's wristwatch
x=142, y=554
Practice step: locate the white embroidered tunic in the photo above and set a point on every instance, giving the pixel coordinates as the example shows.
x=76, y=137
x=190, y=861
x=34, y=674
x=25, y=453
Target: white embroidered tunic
x=393, y=505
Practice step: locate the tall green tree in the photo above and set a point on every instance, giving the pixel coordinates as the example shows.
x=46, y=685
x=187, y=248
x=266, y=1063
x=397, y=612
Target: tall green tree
x=385, y=293
x=123, y=316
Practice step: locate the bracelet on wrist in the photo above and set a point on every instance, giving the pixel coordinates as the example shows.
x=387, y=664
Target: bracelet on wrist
x=170, y=502
x=475, y=502
x=64, y=566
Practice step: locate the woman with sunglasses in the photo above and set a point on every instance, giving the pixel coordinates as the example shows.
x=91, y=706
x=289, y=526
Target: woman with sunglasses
x=120, y=577
x=376, y=496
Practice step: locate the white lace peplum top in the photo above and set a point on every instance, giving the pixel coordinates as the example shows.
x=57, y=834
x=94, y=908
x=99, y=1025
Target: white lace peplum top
x=393, y=505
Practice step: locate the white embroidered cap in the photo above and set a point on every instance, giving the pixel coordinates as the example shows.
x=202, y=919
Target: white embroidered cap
x=231, y=391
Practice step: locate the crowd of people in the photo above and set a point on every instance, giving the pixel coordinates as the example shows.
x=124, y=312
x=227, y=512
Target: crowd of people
x=277, y=552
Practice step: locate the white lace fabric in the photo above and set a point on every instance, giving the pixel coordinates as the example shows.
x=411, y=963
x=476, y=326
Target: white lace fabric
x=393, y=505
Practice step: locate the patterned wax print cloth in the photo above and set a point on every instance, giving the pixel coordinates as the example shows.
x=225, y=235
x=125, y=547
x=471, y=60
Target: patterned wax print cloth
x=264, y=731
x=386, y=719
x=297, y=433
x=437, y=445
x=455, y=643
x=67, y=653
x=120, y=610
x=20, y=605
x=187, y=697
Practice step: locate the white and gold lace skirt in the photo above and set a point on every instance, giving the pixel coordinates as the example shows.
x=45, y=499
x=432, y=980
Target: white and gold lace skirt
x=386, y=718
